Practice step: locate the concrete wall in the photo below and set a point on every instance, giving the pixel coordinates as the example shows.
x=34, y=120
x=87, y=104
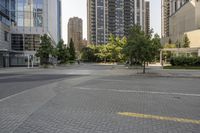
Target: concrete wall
x=198, y=14
x=194, y=37
x=186, y=21
x=4, y=44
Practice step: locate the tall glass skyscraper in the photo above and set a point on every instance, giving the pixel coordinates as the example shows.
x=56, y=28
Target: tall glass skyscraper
x=26, y=21
x=34, y=18
x=28, y=16
x=28, y=13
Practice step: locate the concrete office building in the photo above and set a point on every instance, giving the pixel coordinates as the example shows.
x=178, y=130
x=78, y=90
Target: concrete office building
x=75, y=32
x=23, y=22
x=183, y=17
x=115, y=17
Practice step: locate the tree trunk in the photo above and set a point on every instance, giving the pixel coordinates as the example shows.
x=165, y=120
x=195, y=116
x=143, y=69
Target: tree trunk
x=131, y=61
x=144, y=68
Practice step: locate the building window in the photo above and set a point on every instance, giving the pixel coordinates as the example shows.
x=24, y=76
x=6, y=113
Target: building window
x=31, y=42
x=17, y=42
x=5, y=36
x=175, y=4
x=27, y=13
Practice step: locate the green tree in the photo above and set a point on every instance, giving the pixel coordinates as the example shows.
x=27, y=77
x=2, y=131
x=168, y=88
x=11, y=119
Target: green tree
x=139, y=48
x=89, y=54
x=156, y=45
x=170, y=46
x=186, y=41
x=168, y=54
x=72, y=50
x=113, y=49
x=178, y=44
x=169, y=41
x=103, y=52
x=62, y=52
x=123, y=43
x=46, y=50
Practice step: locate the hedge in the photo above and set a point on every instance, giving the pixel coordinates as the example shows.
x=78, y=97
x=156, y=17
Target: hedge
x=185, y=61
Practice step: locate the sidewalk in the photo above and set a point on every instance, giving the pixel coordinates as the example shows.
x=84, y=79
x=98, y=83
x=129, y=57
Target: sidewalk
x=152, y=70
x=179, y=73
x=17, y=69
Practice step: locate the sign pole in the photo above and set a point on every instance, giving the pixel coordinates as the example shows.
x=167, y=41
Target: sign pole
x=28, y=61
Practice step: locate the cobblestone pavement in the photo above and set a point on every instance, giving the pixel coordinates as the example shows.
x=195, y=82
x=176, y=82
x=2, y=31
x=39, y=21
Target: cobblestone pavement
x=99, y=99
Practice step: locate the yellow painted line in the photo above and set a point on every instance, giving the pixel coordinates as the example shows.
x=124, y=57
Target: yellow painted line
x=156, y=117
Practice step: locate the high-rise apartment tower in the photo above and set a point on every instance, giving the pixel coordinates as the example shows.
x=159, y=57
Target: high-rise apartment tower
x=165, y=10
x=147, y=17
x=115, y=17
x=75, y=32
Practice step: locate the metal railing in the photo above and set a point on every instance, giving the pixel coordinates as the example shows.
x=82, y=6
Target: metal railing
x=4, y=11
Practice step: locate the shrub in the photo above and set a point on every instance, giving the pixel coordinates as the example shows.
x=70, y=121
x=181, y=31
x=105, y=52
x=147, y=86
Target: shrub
x=71, y=61
x=185, y=61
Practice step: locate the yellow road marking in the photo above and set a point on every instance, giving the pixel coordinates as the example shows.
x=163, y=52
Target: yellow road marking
x=146, y=116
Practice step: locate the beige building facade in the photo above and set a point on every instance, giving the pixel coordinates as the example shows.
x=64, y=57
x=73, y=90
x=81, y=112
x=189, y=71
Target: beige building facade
x=185, y=19
x=75, y=32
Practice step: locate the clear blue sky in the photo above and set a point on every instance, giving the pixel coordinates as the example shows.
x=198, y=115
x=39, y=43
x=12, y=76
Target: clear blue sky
x=78, y=8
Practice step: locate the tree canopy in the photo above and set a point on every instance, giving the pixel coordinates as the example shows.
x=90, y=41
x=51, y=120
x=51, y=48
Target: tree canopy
x=186, y=41
x=88, y=54
x=72, y=50
x=112, y=51
x=63, y=54
x=46, y=49
x=140, y=49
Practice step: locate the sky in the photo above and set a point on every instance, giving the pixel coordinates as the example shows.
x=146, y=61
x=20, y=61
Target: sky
x=78, y=8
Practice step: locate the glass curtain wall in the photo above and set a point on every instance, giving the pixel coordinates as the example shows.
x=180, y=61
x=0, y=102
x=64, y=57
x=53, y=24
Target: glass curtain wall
x=27, y=13
x=4, y=12
x=27, y=42
x=31, y=42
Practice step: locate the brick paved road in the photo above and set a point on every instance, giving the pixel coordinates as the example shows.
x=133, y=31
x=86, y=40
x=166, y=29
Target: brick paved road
x=91, y=103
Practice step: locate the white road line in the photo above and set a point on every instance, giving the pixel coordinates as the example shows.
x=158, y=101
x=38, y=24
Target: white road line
x=135, y=91
x=11, y=96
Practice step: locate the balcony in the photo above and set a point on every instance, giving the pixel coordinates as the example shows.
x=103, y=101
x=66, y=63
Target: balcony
x=4, y=11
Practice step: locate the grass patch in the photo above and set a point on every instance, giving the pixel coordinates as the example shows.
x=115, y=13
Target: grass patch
x=182, y=67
